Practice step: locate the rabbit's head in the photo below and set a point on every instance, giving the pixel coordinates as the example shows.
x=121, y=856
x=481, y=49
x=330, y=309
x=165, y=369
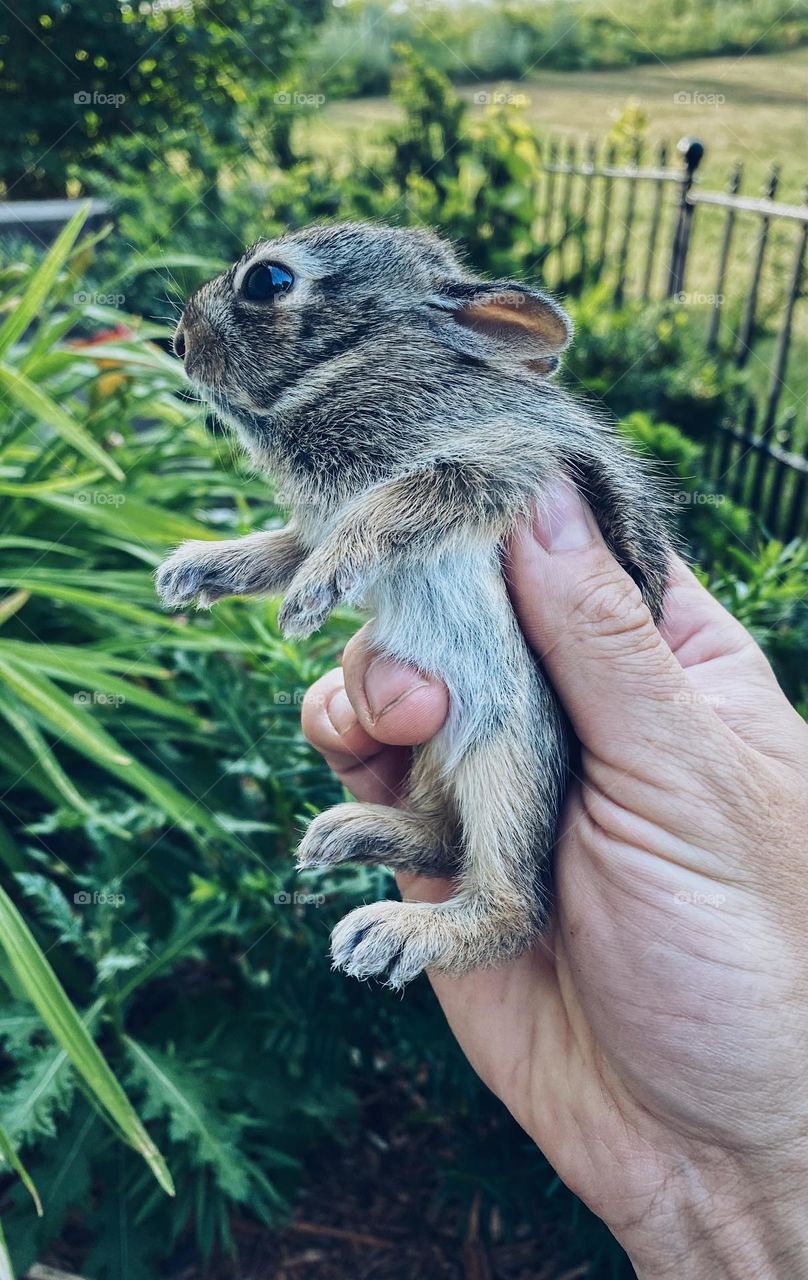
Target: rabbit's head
x=358, y=314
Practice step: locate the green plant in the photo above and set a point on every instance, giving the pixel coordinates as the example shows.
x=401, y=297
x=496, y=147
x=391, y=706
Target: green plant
x=354, y=49
x=650, y=358
x=154, y=779
x=107, y=70
x=112, y=716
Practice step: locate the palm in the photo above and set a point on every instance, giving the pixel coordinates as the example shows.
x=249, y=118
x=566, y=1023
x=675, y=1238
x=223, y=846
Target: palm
x=626, y=1032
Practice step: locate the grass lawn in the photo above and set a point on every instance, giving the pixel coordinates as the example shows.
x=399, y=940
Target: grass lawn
x=762, y=118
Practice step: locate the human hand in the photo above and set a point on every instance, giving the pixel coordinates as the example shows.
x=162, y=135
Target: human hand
x=654, y=1046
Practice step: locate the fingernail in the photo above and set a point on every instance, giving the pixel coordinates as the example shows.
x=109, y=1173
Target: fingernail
x=563, y=521
x=387, y=683
x=341, y=713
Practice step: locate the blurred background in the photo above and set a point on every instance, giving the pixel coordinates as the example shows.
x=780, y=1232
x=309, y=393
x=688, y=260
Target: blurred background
x=168, y=1018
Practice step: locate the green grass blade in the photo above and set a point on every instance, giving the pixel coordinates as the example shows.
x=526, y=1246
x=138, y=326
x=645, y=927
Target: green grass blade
x=116, y=691
x=49, y=999
x=129, y=518
x=6, y=1269
x=62, y=714
x=34, y=400
x=12, y=604
x=13, y=711
x=40, y=284
x=11, y=1158
x=78, y=728
x=95, y=602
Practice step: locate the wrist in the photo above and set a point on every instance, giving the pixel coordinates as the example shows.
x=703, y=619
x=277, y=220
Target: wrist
x=720, y=1221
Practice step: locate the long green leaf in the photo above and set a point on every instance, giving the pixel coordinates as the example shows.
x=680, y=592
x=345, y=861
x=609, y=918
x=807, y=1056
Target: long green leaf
x=129, y=517
x=33, y=399
x=6, y=1269
x=12, y=604
x=84, y=734
x=89, y=658
x=48, y=997
x=9, y=1154
x=56, y=484
x=41, y=282
x=68, y=719
x=116, y=691
x=92, y=600
x=14, y=713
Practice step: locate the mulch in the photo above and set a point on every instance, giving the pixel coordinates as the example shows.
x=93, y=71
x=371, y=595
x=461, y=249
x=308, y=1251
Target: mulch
x=376, y=1212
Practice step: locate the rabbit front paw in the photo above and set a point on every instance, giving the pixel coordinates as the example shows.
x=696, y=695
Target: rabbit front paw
x=190, y=573
x=314, y=592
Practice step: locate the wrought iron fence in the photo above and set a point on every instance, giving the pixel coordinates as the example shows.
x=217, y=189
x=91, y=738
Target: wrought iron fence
x=636, y=226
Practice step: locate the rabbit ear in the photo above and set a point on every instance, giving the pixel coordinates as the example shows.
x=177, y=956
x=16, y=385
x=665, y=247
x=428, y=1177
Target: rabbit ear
x=507, y=323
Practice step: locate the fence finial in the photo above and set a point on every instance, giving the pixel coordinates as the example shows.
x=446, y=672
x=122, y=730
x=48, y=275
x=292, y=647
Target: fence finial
x=692, y=152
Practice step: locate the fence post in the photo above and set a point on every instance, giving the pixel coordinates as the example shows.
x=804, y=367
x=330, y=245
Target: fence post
x=691, y=151
x=662, y=163
x=723, y=259
x=748, y=323
x=570, y=159
x=590, y=162
x=611, y=157
x=784, y=337
x=631, y=197
x=552, y=160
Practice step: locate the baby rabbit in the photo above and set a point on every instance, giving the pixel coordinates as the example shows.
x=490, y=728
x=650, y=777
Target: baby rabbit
x=402, y=406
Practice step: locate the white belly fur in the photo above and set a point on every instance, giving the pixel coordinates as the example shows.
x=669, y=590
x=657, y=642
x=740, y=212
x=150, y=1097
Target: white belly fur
x=450, y=616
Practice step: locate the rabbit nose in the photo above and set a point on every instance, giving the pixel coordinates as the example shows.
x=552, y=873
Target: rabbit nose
x=179, y=341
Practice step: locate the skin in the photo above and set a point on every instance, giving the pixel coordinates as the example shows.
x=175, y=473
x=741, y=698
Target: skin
x=655, y=1045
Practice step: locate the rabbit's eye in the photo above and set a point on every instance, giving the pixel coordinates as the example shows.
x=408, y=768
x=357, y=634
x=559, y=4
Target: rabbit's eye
x=266, y=280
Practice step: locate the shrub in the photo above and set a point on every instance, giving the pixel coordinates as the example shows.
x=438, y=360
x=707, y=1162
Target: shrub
x=354, y=51
x=108, y=70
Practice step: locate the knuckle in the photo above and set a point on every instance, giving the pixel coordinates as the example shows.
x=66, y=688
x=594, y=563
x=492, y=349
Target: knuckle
x=609, y=606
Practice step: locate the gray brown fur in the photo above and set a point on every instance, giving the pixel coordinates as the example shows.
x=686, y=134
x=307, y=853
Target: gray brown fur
x=403, y=408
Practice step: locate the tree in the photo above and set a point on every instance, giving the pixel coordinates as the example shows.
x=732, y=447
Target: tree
x=75, y=76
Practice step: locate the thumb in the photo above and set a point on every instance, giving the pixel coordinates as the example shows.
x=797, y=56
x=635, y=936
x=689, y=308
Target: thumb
x=584, y=616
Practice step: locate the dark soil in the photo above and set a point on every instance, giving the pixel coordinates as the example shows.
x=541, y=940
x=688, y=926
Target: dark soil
x=387, y=1208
